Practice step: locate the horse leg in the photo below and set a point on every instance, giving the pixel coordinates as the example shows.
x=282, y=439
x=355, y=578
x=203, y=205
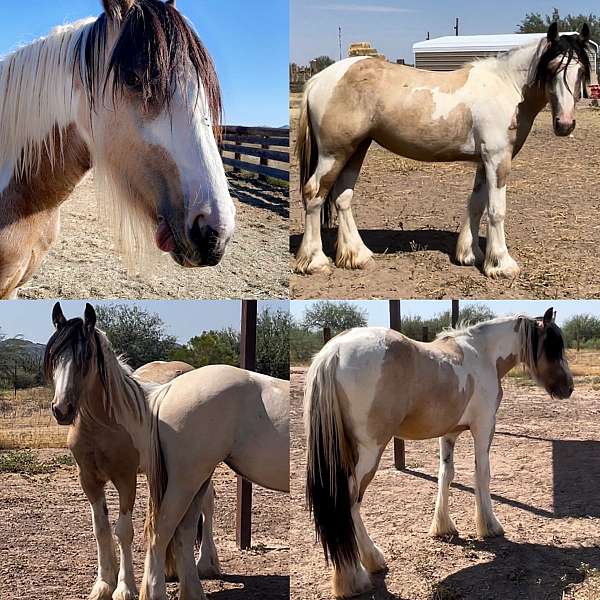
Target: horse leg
x=174, y=506
x=498, y=262
x=485, y=519
x=468, y=251
x=310, y=257
x=190, y=586
x=208, y=563
x=107, y=573
x=126, y=588
x=351, y=251
x=442, y=524
x=352, y=579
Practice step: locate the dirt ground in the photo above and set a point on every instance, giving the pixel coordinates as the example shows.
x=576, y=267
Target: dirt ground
x=47, y=548
x=545, y=474
x=409, y=215
x=84, y=263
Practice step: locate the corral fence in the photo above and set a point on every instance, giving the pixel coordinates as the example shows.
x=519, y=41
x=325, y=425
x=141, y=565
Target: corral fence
x=262, y=150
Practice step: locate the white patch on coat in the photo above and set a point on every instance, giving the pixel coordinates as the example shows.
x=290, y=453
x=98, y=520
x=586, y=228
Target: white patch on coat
x=322, y=86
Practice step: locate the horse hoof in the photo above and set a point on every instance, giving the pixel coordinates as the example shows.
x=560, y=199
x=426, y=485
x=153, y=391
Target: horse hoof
x=101, y=591
x=309, y=264
x=351, y=584
x=470, y=258
x=502, y=268
x=124, y=593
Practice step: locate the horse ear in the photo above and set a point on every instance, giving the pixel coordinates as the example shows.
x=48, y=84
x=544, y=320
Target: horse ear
x=172, y=3
x=548, y=316
x=58, y=318
x=584, y=34
x=89, y=318
x=117, y=9
x=553, y=32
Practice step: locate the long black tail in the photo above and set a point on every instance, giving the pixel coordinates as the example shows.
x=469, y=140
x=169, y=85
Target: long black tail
x=331, y=460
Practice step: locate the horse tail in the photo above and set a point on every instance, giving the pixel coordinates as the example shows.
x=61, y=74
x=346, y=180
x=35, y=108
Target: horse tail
x=307, y=152
x=158, y=479
x=331, y=460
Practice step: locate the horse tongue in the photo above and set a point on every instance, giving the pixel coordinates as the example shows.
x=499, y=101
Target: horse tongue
x=164, y=238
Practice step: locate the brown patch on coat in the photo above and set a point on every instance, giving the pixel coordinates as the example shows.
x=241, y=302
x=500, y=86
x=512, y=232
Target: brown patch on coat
x=503, y=366
x=377, y=100
x=418, y=395
x=29, y=219
x=503, y=171
x=161, y=373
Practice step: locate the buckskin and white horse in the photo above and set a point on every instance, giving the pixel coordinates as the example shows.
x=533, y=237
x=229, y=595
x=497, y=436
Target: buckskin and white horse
x=481, y=113
x=368, y=385
x=178, y=433
x=135, y=95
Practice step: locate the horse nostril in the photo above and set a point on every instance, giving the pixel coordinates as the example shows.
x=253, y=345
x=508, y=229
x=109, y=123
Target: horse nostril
x=205, y=240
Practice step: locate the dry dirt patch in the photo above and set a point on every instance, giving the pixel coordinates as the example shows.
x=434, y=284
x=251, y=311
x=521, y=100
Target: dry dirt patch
x=409, y=214
x=84, y=263
x=545, y=473
x=47, y=548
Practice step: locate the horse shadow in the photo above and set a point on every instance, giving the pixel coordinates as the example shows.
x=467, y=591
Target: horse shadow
x=386, y=241
x=518, y=571
x=267, y=587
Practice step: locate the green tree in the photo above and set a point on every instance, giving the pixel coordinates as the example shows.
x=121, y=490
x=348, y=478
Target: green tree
x=538, y=23
x=321, y=62
x=304, y=344
x=339, y=316
x=582, y=331
x=210, y=348
x=273, y=344
x=136, y=333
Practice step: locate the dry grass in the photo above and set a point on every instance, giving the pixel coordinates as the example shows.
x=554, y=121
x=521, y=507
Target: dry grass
x=26, y=421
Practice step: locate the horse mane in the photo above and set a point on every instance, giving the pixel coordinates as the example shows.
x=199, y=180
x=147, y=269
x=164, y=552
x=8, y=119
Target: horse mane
x=120, y=389
x=38, y=84
x=467, y=328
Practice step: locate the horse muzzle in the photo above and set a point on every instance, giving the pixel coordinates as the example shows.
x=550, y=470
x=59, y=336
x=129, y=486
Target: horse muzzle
x=64, y=417
x=563, y=128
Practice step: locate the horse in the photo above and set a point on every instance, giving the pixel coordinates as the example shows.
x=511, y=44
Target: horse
x=481, y=113
x=105, y=452
x=179, y=432
x=135, y=95
x=370, y=384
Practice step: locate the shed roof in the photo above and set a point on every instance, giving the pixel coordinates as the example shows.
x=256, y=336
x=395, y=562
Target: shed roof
x=481, y=43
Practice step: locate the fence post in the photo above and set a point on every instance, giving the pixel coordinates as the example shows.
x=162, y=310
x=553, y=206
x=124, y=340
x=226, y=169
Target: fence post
x=244, y=487
x=455, y=313
x=326, y=334
x=237, y=156
x=264, y=161
x=399, y=445
x=425, y=334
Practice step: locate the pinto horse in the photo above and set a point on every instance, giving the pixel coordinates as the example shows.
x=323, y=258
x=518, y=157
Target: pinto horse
x=481, y=113
x=371, y=384
x=178, y=432
x=134, y=94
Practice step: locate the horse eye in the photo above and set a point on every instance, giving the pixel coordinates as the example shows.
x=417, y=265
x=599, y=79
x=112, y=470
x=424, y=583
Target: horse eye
x=132, y=80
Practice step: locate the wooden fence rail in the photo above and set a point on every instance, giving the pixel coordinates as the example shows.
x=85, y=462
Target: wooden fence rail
x=268, y=144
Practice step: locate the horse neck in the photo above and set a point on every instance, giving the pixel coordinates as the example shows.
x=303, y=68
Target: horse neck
x=499, y=340
x=40, y=97
x=121, y=403
x=519, y=67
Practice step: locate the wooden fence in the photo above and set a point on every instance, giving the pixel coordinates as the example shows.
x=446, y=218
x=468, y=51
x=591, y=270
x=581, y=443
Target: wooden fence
x=267, y=144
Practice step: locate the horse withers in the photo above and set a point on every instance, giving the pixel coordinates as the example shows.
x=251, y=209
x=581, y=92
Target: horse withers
x=371, y=384
x=135, y=95
x=481, y=113
x=178, y=432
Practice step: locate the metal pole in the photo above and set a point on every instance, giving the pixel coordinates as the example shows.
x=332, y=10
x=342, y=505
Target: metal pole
x=399, y=445
x=340, y=40
x=326, y=334
x=248, y=362
x=456, y=26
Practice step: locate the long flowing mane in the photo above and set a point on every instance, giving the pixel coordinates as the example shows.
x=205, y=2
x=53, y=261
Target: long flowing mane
x=38, y=81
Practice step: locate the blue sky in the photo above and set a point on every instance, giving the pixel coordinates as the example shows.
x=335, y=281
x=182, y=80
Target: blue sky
x=392, y=26
x=378, y=310
x=248, y=40
x=184, y=318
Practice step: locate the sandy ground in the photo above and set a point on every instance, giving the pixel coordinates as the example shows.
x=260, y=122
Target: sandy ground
x=545, y=473
x=47, y=548
x=409, y=214
x=84, y=263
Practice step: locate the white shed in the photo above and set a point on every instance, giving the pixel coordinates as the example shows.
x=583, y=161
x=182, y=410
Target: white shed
x=452, y=52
